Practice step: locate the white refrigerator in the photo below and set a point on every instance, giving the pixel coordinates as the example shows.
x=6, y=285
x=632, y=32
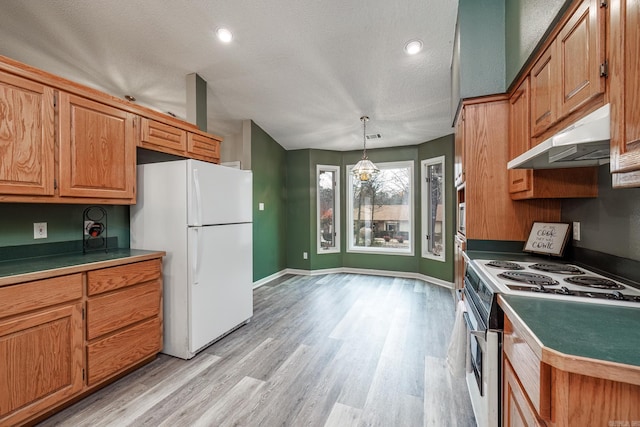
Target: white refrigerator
x=200, y=214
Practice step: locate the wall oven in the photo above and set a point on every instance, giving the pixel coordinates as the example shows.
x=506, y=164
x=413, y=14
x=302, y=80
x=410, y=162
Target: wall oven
x=484, y=347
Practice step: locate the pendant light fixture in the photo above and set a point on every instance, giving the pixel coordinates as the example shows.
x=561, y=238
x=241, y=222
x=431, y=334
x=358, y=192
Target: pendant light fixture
x=364, y=169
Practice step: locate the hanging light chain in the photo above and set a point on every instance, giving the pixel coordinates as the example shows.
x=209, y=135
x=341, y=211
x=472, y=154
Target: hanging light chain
x=364, y=120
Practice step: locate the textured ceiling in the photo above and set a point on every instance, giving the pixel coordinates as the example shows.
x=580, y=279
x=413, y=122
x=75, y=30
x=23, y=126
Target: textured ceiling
x=304, y=71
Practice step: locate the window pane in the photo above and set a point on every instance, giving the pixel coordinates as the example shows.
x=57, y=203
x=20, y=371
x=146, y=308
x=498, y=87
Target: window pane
x=328, y=209
x=434, y=173
x=433, y=221
x=381, y=210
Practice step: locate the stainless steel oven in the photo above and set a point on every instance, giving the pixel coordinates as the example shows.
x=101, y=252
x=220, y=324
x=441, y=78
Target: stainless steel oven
x=484, y=347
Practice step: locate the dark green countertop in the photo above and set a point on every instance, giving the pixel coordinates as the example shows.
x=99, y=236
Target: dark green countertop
x=595, y=331
x=27, y=266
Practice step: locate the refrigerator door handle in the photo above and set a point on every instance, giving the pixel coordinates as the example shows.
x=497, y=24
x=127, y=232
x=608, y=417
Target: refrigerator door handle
x=196, y=190
x=195, y=264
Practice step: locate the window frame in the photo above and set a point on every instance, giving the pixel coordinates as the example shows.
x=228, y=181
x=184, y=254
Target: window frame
x=351, y=248
x=336, y=211
x=426, y=208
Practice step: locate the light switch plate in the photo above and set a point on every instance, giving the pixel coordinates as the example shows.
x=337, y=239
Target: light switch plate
x=260, y=206
x=39, y=230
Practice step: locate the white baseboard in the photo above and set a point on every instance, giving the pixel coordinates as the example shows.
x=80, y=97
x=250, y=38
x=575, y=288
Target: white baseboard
x=387, y=273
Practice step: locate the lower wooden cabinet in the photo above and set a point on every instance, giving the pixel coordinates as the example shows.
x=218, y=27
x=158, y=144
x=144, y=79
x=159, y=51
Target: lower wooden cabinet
x=516, y=408
x=41, y=346
x=124, y=322
x=548, y=392
x=58, y=342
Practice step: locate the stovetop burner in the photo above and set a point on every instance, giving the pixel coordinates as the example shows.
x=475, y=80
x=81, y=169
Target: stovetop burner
x=530, y=278
x=594, y=282
x=505, y=265
x=557, y=268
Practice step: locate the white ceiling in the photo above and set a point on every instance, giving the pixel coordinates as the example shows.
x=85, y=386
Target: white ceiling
x=303, y=70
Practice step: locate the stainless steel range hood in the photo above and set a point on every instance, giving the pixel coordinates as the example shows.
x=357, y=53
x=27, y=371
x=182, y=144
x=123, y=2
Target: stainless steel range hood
x=585, y=143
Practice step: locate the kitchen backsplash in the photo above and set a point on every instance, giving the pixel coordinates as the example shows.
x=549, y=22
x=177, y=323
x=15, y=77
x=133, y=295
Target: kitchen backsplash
x=609, y=223
x=64, y=224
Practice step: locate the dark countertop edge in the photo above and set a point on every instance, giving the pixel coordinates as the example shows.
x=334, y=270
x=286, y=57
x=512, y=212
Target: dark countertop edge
x=58, y=265
x=578, y=364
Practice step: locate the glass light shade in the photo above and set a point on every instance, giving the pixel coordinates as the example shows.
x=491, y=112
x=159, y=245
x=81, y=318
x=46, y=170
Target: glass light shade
x=365, y=169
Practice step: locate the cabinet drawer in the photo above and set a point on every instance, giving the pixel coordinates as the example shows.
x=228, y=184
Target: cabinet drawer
x=160, y=137
x=203, y=147
x=117, y=352
x=110, y=312
x=29, y=296
x=109, y=279
x=534, y=375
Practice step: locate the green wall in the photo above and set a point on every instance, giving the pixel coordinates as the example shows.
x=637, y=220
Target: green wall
x=301, y=202
x=479, y=57
x=298, y=209
x=268, y=160
x=64, y=223
x=324, y=260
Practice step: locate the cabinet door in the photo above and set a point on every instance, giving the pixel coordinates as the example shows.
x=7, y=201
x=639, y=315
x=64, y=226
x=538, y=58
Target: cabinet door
x=516, y=409
x=544, y=89
x=625, y=91
x=41, y=363
x=97, y=150
x=26, y=137
x=519, y=140
x=203, y=148
x=581, y=51
x=160, y=137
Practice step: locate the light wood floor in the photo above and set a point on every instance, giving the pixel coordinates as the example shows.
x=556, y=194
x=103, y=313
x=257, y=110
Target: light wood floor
x=336, y=350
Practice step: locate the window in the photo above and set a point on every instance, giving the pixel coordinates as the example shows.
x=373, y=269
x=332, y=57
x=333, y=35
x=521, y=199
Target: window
x=380, y=211
x=328, y=193
x=433, y=203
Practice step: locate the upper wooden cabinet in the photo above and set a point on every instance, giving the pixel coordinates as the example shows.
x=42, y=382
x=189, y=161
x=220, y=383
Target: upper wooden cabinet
x=97, y=150
x=568, y=78
x=519, y=139
x=203, y=147
x=169, y=139
x=541, y=183
x=491, y=214
x=87, y=154
x=544, y=89
x=624, y=91
x=162, y=137
x=581, y=50
x=26, y=137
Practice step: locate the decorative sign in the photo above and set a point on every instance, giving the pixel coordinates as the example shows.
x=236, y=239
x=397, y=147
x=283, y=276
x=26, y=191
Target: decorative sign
x=547, y=238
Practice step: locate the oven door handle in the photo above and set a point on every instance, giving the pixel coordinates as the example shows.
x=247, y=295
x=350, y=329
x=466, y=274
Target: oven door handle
x=479, y=335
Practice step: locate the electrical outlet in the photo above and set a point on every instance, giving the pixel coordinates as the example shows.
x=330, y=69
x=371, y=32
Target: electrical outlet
x=39, y=230
x=305, y=255
x=576, y=230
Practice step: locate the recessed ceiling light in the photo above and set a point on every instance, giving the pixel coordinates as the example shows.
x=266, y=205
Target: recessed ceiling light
x=413, y=47
x=130, y=98
x=224, y=35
